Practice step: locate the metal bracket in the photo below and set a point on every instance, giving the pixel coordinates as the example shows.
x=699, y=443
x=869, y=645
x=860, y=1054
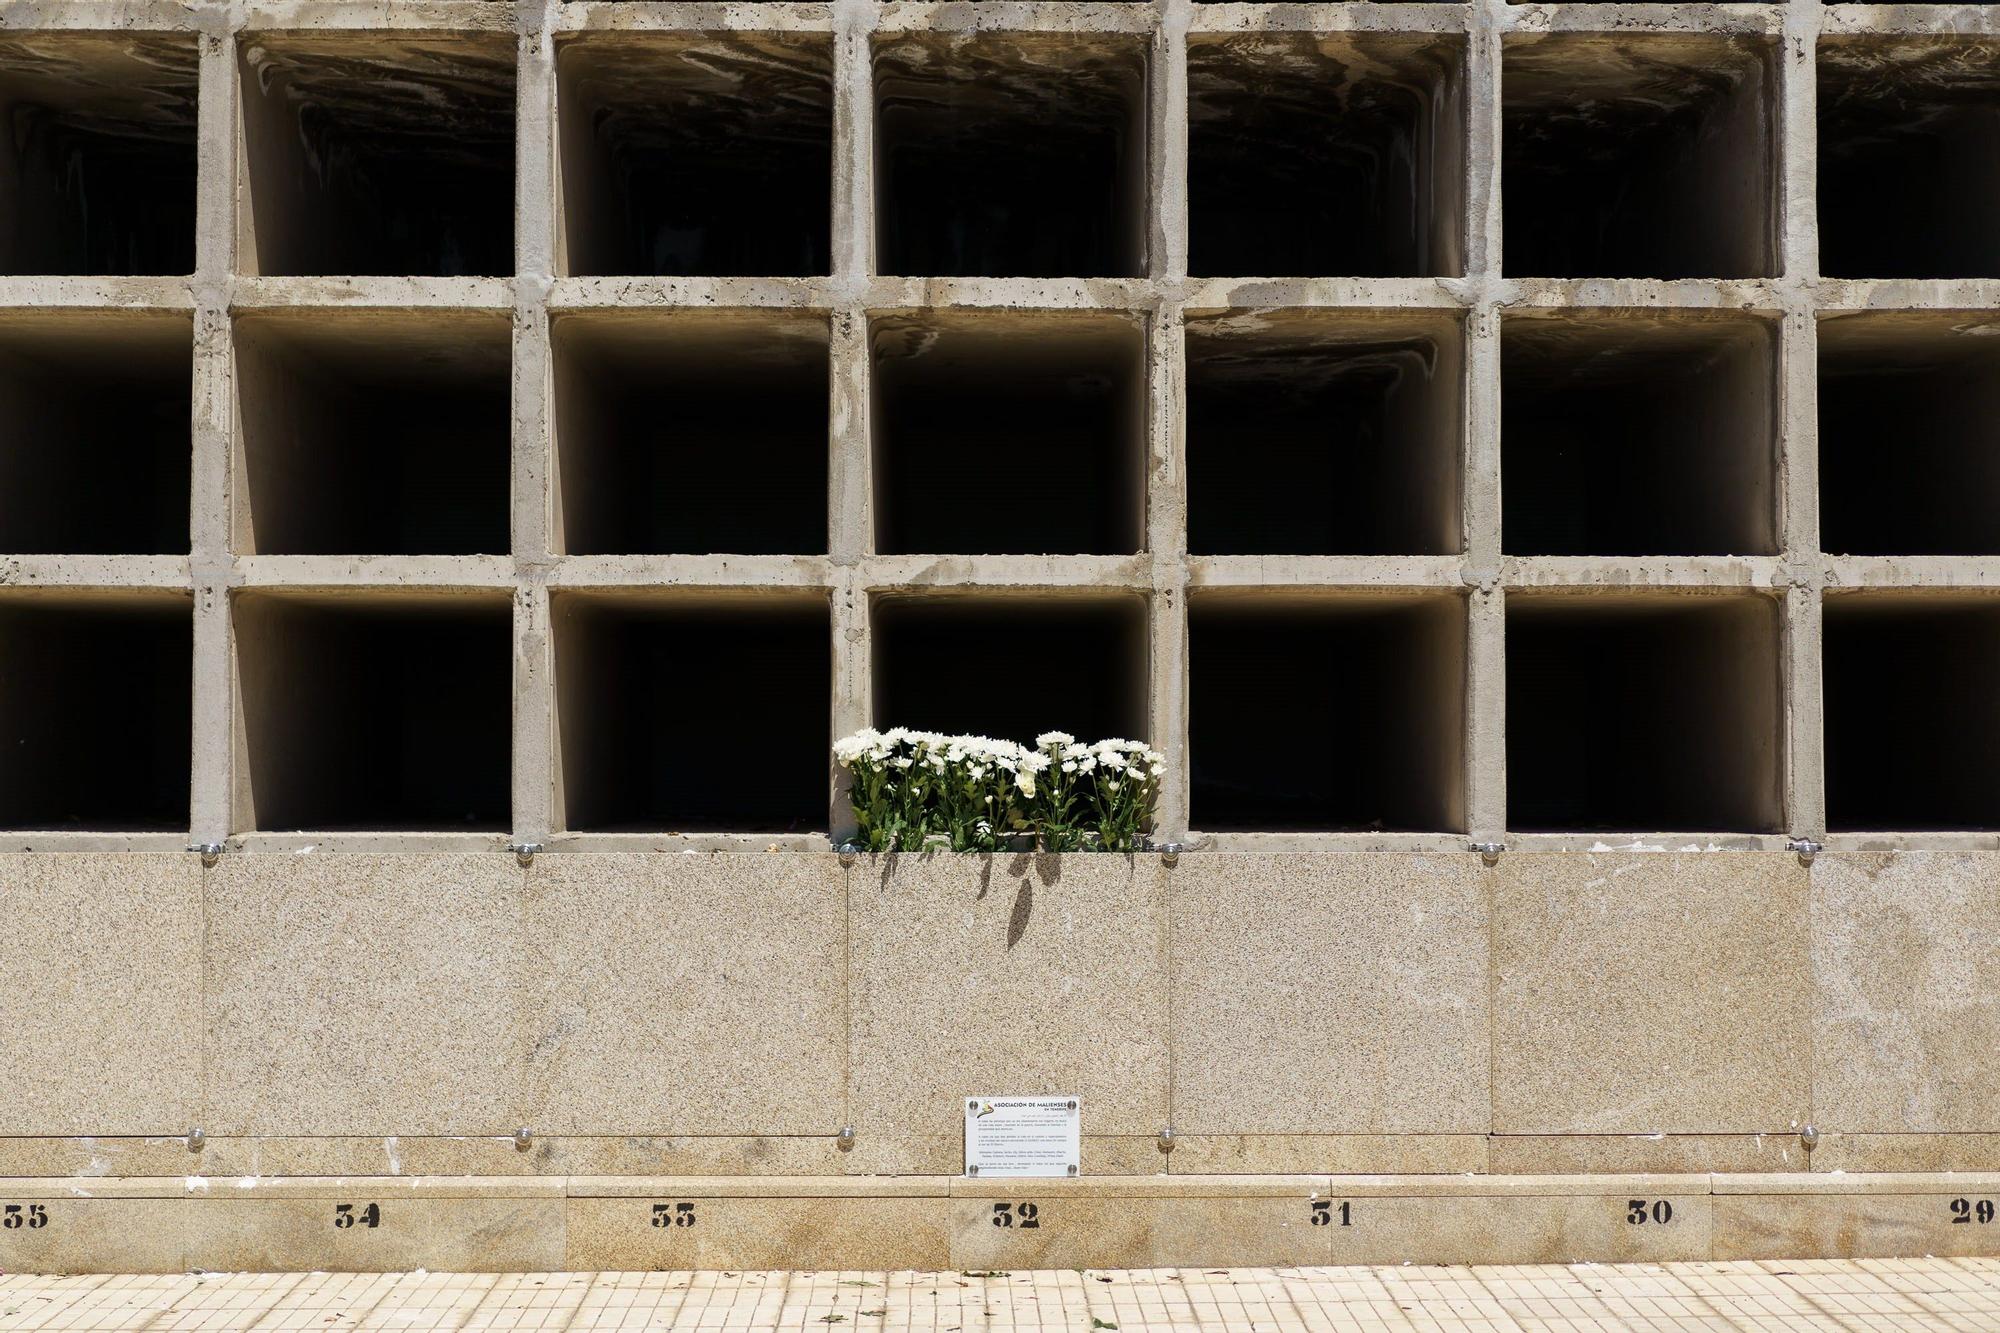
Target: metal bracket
x=210, y=852
x=524, y=852
x=1806, y=848
x=1489, y=852
x=1170, y=853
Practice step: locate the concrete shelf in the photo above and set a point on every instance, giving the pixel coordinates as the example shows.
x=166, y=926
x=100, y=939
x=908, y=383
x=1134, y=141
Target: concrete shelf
x=372, y=433
x=710, y=155
x=1278, y=685
x=1015, y=155
x=1629, y=433
x=380, y=710
x=377, y=153
x=1073, y=662
x=1909, y=157
x=1911, y=716
x=100, y=165
x=1326, y=155
x=1007, y=433
x=1639, y=156
x=1325, y=434
x=1926, y=384
x=1652, y=711
x=686, y=433
x=691, y=711
x=94, y=416
x=94, y=710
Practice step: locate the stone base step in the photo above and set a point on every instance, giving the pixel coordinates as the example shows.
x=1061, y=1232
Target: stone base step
x=548, y=1223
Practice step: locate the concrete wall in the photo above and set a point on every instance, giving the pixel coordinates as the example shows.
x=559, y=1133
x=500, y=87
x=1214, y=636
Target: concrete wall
x=325, y=1014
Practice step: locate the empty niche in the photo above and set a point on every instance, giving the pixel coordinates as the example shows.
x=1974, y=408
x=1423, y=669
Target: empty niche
x=1912, y=718
x=693, y=713
x=1336, y=714
x=1010, y=155
x=1313, y=434
x=378, y=153
x=709, y=156
x=98, y=166
x=95, y=710
x=1909, y=157
x=1909, y=434
x=380, y=711
x=95, y=417
x=1089, y=672
x=376, y=433
x=1326, y=155
x=1643, y=713
x=1638, y=156
x=1631, y=433
x=691, y=433
x=1005, y=433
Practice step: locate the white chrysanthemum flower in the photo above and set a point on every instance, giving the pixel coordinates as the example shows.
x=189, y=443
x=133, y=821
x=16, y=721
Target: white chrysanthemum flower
x=1028, y=785
x=1111, y=759
x=1050, y=739
x=1034, y=763
x=903, y=762
x=1085, y=764
x=1111, y=787
x=1069, y=766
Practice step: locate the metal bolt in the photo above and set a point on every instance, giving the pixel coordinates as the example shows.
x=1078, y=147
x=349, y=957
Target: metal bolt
x=1489, y=852
x=1170, y=854
x=1806, y=848
x=211, y=852
x=196, y=1139
x=523, y=1140
x=1809, y=1137
x=1166, y=1139
x=524, y=852
x=847, y=857
x=845, y=1139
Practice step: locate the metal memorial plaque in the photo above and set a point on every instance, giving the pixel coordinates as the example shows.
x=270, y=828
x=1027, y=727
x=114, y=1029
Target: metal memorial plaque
x=1023, y=1136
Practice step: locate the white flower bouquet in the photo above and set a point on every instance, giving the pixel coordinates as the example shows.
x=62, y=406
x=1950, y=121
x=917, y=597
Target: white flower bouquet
x=919, y=790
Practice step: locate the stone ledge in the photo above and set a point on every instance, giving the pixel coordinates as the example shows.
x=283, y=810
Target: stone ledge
x=470, y=1223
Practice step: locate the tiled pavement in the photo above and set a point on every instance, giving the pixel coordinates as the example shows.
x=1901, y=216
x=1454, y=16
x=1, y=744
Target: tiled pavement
x=1955, y=1294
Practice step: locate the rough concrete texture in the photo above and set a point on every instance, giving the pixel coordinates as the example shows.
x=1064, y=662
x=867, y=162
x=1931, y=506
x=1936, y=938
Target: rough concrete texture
x=728, y=1015
x=873, y=1224
x=256, y=167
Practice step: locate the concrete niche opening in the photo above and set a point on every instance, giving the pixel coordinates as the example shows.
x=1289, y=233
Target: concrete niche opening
x=382, y=711
x=710, y=156
x=98, y=166
x=1310, y=434
x=1010, y=156
x=1653, y=712
x=94, y=433
x=1638, y=156
x=1638, y=434
x=377, y=154
x=685, y=713
x=1909, y=157
x=95, y=709
x=1912, y=718
x=1332, y=714
x=1909, y=434
x=373, y=433
x=1088, y=672
x=1004, y=433
x=691, y=433
x=1326, y=155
